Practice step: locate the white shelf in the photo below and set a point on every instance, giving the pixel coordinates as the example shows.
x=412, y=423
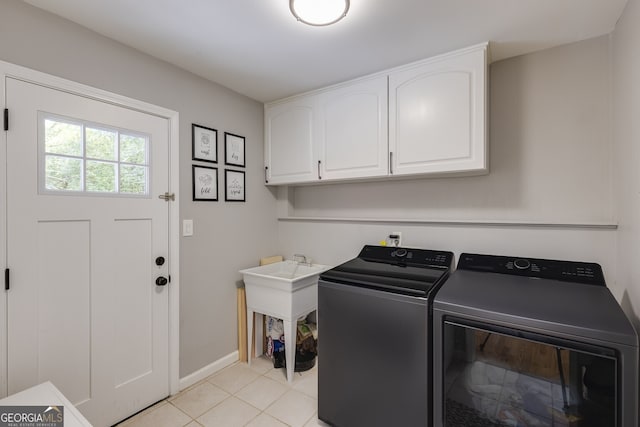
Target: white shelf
x=460, y=223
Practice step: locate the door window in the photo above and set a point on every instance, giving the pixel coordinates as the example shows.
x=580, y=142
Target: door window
x=87, y=158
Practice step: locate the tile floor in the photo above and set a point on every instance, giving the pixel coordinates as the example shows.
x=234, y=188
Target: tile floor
x=239, y=395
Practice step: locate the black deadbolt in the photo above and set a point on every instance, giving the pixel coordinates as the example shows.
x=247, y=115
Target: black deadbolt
x=161, y=281
x=160, y=260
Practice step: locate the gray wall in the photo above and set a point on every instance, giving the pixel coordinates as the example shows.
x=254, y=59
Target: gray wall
x=228, y=236
x=550, y=162
x=626, y=113
x=551, y=145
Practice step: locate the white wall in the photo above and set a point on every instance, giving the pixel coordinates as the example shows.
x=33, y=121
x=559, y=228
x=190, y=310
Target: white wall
x=550, y=153
x=228, y=236
x=626, y=95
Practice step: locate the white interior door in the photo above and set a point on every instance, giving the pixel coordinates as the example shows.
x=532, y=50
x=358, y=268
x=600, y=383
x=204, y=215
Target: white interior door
x=85, y=227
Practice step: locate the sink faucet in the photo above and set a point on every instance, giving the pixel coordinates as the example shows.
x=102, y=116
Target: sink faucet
x=299, y=257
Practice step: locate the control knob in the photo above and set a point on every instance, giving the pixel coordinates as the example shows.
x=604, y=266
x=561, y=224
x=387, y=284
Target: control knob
x=521, y=264
x=401, y=252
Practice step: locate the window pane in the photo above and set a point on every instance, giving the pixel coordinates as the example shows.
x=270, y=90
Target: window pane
x=62, y=138
x=85, y=157
x=133, y=149
x=101, y=176
x=133, y=179
x=63, y=173
x=101, y=144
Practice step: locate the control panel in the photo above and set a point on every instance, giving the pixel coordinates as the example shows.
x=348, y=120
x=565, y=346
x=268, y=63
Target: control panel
x=407, y=256
x=568, y=271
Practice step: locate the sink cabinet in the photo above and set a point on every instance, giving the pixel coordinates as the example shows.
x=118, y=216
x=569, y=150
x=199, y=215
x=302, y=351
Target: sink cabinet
x=428, y=117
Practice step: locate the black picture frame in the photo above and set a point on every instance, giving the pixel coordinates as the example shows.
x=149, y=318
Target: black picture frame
x=204, y=143
x=205, y=183
x=234, y=150
x=234, y=184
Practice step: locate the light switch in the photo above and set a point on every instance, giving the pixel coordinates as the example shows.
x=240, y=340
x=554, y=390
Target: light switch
x=187, y=227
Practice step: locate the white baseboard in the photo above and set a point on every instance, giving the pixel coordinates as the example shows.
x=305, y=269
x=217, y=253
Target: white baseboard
x=208, y=370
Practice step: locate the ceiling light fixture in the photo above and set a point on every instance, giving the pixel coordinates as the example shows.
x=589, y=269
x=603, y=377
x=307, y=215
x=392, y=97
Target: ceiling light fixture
x=319, y=12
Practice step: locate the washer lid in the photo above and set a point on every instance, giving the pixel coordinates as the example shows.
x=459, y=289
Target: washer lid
x=399, y=270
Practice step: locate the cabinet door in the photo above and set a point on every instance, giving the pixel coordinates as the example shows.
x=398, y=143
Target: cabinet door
x=289, y=141
x=437, y=115
x=353, y=132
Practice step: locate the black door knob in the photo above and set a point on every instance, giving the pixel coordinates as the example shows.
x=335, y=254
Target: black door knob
x=161, y=281
x=160, y=260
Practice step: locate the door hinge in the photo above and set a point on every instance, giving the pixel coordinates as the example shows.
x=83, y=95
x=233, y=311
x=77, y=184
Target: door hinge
x=7, y=285
x=6, y=119
x=167, y=196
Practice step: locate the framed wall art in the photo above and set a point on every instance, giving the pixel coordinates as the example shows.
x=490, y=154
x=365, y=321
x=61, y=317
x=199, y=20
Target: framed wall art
x=205, y=183
x=234, y=186
x=205, y=143
x=233, y=150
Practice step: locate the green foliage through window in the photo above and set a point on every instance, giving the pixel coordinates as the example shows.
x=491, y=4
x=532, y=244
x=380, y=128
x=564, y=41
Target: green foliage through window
x=63, y=174
x=84, y=158
x=101, y=144
x=63, y=138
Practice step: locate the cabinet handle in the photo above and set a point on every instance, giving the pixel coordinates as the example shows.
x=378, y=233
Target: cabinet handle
x=266, y=174
x=319, y=176
x=390, y=162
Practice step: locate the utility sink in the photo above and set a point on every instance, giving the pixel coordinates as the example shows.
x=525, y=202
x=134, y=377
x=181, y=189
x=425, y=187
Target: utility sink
x=286, y=290
x=285, y=275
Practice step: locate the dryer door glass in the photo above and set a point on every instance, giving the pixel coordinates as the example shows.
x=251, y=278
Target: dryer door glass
x=505, y=377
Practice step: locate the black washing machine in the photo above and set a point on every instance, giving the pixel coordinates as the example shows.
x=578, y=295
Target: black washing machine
x=375, y=352
x=532, y=342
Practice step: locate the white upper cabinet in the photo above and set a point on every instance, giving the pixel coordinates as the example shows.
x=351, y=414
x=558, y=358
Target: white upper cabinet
x=290, y=134
x=437, y=114
x=353, y=139
x=428, y=117
x=336, y=133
